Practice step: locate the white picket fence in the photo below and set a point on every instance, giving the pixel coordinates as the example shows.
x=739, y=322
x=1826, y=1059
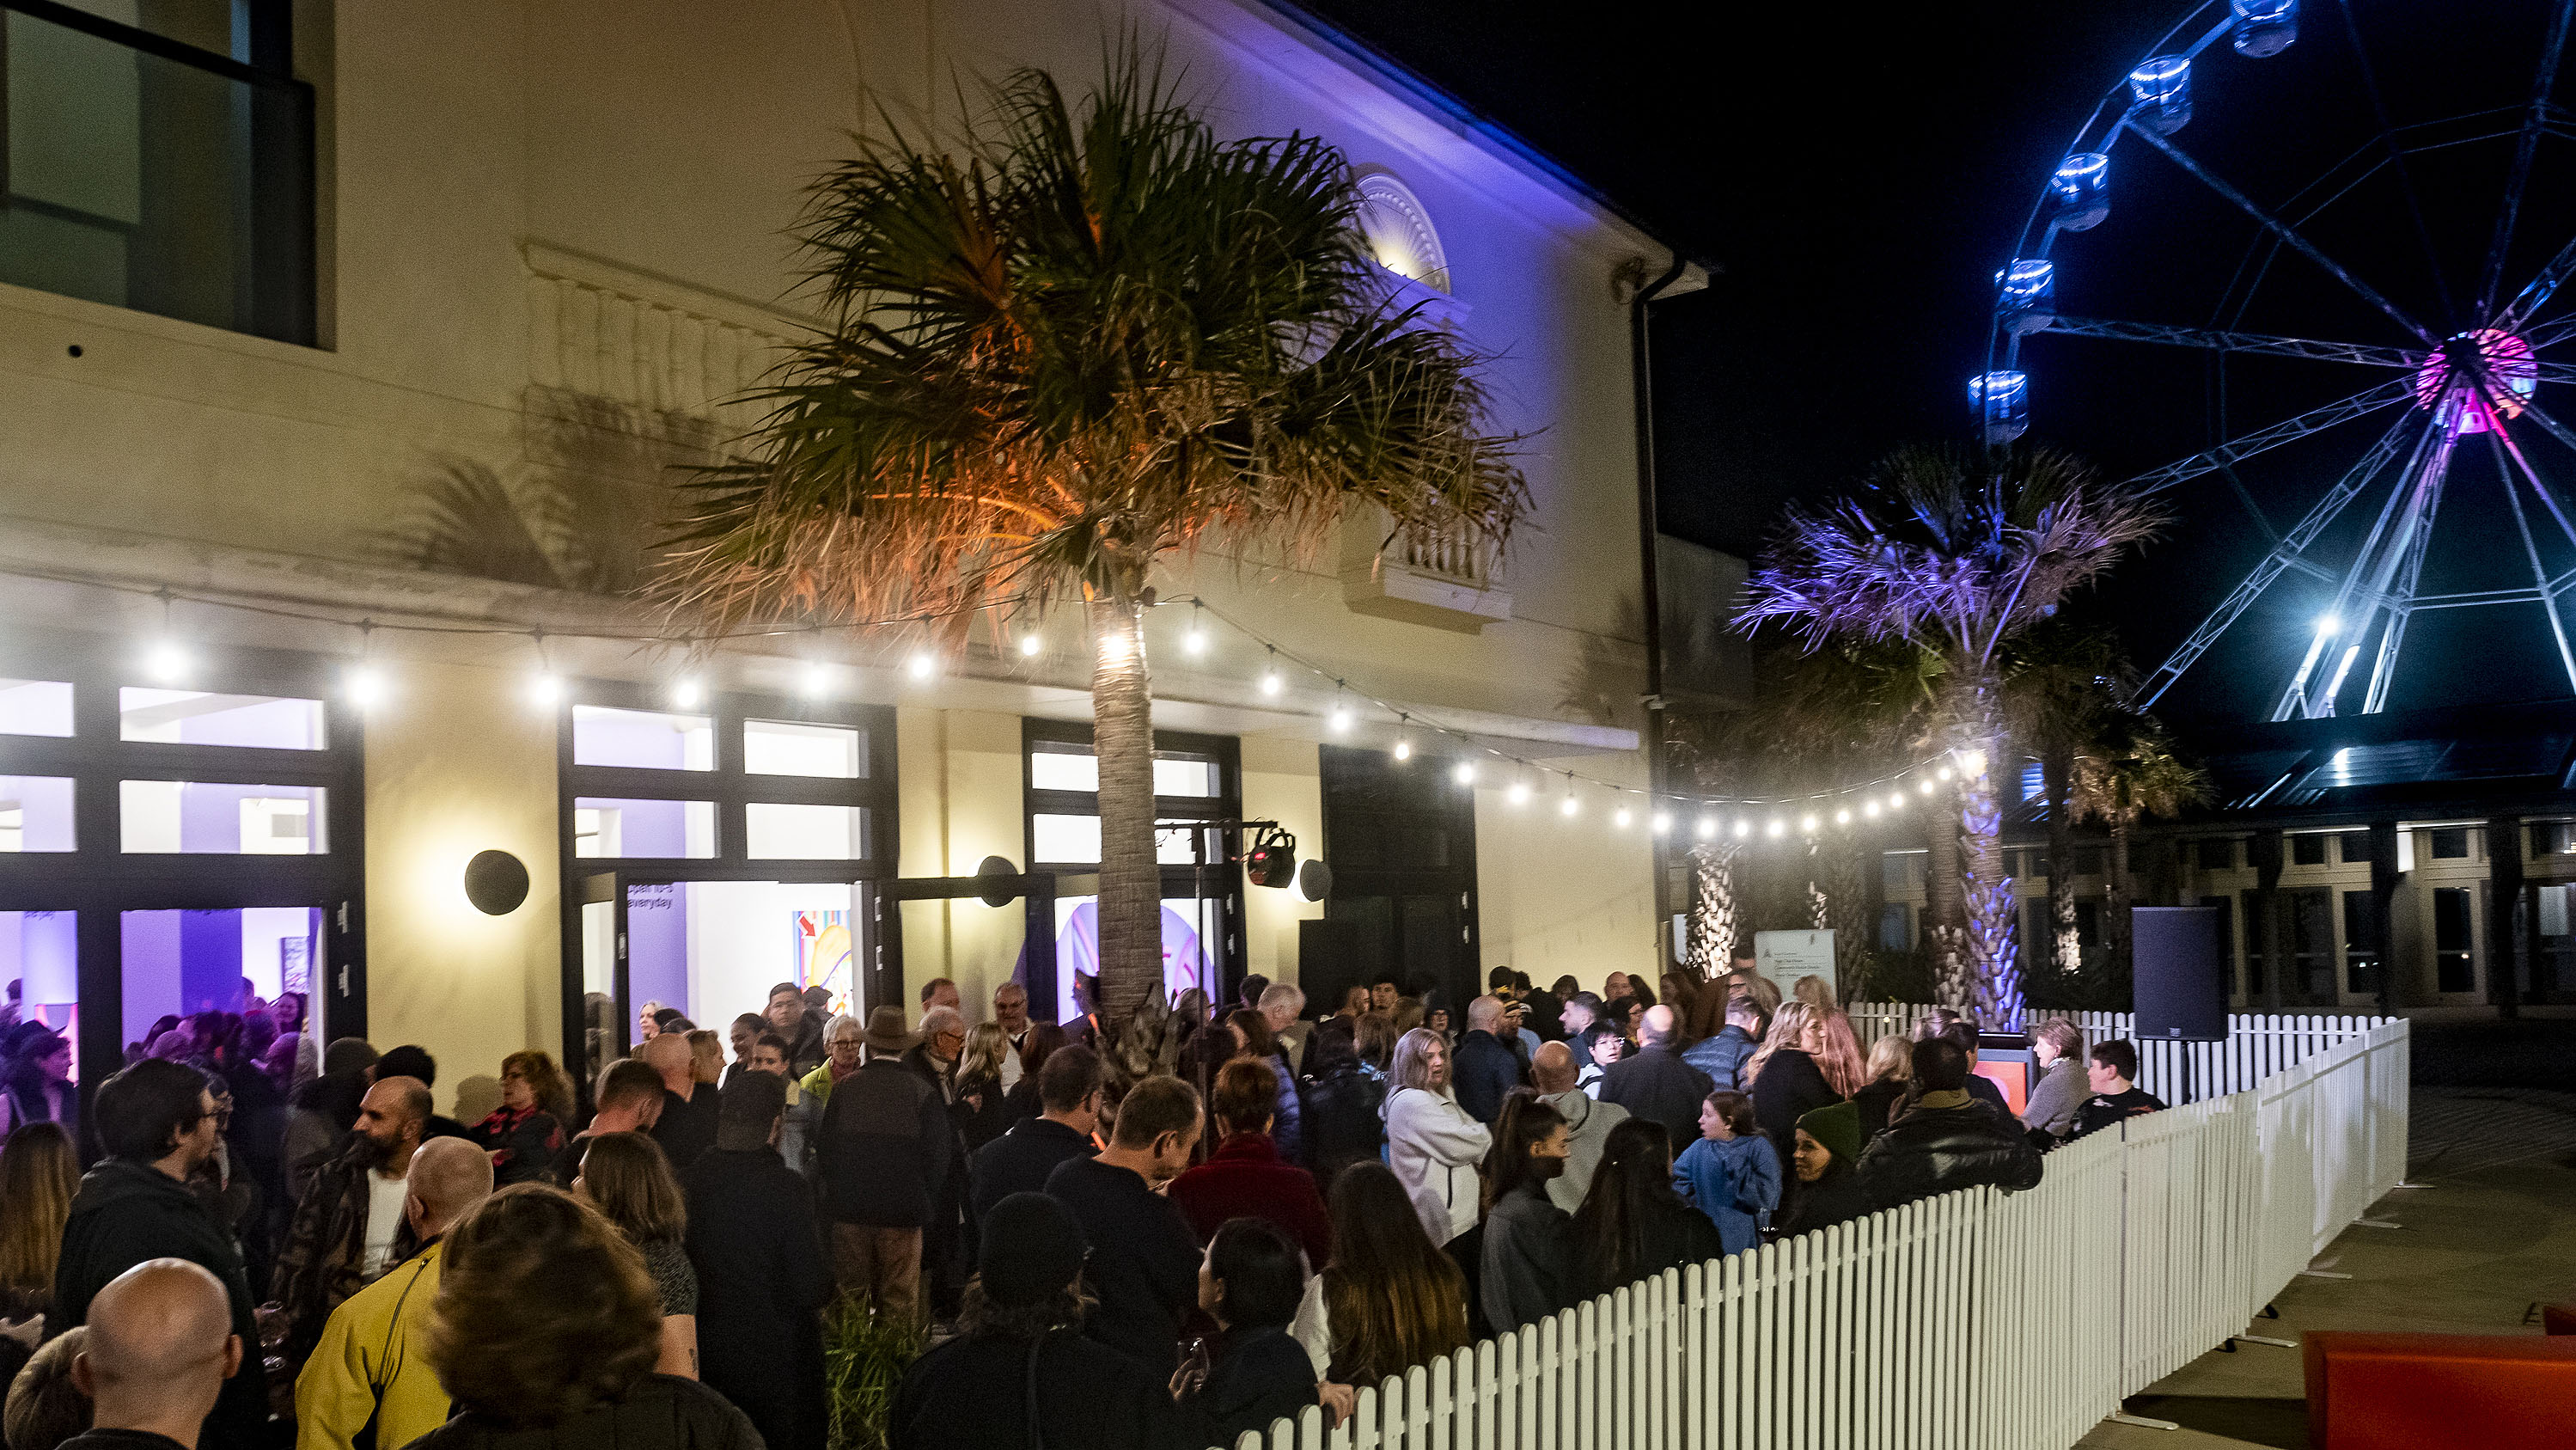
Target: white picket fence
x=1977, y=1319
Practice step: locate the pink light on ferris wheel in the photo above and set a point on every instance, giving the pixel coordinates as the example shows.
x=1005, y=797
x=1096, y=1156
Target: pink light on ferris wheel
x=2501, y=355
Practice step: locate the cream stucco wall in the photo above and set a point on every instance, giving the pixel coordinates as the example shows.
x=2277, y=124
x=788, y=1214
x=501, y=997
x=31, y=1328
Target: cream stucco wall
x=457, y=765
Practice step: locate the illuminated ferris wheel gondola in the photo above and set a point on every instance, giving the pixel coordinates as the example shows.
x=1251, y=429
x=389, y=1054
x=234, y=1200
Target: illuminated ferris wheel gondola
x=2468, y=387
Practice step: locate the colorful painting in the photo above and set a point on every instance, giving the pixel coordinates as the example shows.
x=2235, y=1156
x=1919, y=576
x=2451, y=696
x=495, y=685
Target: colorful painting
x=824, y=956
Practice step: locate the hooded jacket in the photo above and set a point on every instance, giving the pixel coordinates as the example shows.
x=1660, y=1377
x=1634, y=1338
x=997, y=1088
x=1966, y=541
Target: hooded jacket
x=127, y=1212
x=1434, y=1148
x=1948, y=1141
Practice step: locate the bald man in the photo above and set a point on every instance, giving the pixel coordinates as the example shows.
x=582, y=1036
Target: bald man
x=1656, y=1084
x=1484, y=1069
x=369, y=1363
x=350, y=1227
x=160, y=1347
x=687, y=1126
x=1552, y=1072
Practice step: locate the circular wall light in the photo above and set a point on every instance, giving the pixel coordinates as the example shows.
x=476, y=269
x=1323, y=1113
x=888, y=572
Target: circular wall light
x=496, y=882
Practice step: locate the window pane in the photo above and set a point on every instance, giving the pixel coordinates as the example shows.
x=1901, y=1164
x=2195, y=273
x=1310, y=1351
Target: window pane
x=40, y=953
x=177, y=963
x=1184, y=775
x=643, y=829
x=1193, y=937
x=1178, y=843
x=200, y=717
x=198, y=818
x=35, y=707
x=35, y=813
x=713, y=949
x=645, y=739
x=2451, y=843
x=779, y=747
x=2217, y=855
x=2354, y=847
x=1066, y=840
x=1062, y=769
x=2307, y=850
x=774, y=832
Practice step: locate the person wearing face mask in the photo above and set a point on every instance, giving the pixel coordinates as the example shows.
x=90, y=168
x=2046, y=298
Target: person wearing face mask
x=1528, y=1262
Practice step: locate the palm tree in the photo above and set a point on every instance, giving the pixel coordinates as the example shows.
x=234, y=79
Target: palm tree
x=1957, y=564
x=2135, y=773
x=2064, y=686
x=1081, y=342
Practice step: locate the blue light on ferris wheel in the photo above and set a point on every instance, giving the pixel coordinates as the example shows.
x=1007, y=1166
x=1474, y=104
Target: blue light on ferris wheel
x=2162, y=88
x=2028, y=291
x=2080, y=191
x=2002, y=401
x=2264, y=27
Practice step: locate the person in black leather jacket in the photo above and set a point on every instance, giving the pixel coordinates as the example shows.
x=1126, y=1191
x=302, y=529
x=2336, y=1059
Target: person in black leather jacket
x=1345, y=1105
x=1945, y=1139
x=1484, y=1070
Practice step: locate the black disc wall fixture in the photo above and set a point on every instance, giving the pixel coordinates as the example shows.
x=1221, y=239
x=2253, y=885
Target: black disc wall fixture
x=496, y=882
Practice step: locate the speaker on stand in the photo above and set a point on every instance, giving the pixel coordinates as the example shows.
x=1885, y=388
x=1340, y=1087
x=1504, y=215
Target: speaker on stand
x=2178, y=980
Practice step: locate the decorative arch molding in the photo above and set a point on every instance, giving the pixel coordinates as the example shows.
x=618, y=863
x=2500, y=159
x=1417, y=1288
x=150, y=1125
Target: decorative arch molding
x=1399, y=230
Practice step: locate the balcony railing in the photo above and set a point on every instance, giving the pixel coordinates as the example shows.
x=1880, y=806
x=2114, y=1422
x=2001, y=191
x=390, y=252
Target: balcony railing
x=673, y=354
x=1446, y=577
x=140, y=171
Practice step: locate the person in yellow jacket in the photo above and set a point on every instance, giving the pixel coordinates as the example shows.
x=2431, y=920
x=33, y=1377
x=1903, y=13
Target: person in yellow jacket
x=369, y=1366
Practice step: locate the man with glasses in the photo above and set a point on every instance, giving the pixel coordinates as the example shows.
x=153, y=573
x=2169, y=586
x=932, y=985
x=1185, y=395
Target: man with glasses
x=157, y=1122
x=1011, y=1014
x=943, y=1248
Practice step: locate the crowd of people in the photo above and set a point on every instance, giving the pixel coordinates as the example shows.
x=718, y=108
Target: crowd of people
x=272, y=1243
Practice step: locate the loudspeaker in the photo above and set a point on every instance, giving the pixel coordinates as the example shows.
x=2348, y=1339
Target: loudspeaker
x=2180, y=981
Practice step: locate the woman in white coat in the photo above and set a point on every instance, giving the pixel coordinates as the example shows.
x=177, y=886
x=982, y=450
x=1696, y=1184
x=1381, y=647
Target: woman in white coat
x=1431, y=1143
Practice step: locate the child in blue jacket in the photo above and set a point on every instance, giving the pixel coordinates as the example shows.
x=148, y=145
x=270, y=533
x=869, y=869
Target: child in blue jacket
x=1732, y=1173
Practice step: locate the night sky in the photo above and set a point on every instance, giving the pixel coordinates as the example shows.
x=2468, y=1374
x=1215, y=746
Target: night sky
x=1859, y=172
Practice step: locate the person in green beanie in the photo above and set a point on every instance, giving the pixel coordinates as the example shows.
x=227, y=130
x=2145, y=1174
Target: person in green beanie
x=1823, y=1189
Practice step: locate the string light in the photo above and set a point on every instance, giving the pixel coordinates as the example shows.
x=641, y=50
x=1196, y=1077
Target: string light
x=1270, y=681
x=1519, y=793
x=1464, y=772
x=1196, y=640
x=688, y=694
x=1570, y=806
x=1843, y=818
x=1707, y=827
x=1808, y=824
x=1620, y=818
x=1972, y=763
x=1870, y=810
x=1776, y=827
x=1896, y=800
x=1744, y=827
x=546, y=689
x=815, y=680
x=365, y=684
x=1660, y=823
x=1943, y=773
x=924, y=664
x=1340, y=719
x=1030, y=644
x=1403, y=738
x=1926, y=786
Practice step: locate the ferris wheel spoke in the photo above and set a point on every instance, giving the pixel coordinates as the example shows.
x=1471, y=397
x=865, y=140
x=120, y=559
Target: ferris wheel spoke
x=2288, y=430
x=2530, y=550
x=2537, y=292
x=2535, y=121
x=2281, y=229
x=2366, y=584
x=2397, y=159
x=2285, y=556
x=2220, y=341
x=2555, y=331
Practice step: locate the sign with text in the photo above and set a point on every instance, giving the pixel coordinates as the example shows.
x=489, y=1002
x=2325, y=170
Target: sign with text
x=1785, y=956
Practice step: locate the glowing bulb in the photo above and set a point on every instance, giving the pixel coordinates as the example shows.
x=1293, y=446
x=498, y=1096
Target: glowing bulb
x=1115, y=647
x=1842, y=818
x=1340, y=719
x=1569, y=808
x=1619, y=818
x=546, y=690
x=1743, y=827
x=1464, y=772
x=688, y=694
x=923, y=664
x=1660, y=823
x=815, y=681
x=1030, y=644
x=1870, y=810
x=1707, y=827
x=1972, y=763
x=2328, y=625
x=1519, y=794
x=1807, y=824
x=366, y=687
x=1403, y=747
x=1896, y=800
x=1270, y=682
x=1195, y=641
x=1943, y=773
x=1776, y=827
x=166, y=662
x=1925, y=786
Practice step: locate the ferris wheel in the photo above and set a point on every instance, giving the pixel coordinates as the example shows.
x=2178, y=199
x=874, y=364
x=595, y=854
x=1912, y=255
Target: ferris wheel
x=2456, y=401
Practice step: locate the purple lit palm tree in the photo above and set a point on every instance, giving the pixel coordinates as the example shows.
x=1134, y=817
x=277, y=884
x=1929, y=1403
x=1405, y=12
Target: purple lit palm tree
x=1958, y=564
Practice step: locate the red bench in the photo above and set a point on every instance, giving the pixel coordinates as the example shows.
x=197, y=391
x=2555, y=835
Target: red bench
x=2423, y=1391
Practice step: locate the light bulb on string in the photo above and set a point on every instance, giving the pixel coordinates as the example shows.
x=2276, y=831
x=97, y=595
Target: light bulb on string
x=1030, y=644
x=1743, y=827
x=1340, y=718
x=924, y=664
x=1464, y=772
x=1270, y=681
x=1570, y=806
x=1896, y=800
x=1706, y=828
x=1403, y=750
x=1808, y=824
x=365, y=683
x=1519, y=793
x=1942, y=774
x=1660, y=822
x=1925, y=786
x=815, y=680
x=165, y=660
x=1619, y=818
x=545, y=688
x=1870, y=810
x=1972, y=764
x=1842, y=818
x=687, y=693
x=1776, y=827
x=1196, y=640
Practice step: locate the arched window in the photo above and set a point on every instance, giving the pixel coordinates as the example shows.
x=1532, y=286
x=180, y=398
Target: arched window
x=1399, y=231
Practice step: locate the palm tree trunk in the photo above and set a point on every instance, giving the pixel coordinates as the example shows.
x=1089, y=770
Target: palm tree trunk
x=2057, y=771
x=1713, y=914
x=1992, y=953
x=1847, y=912
x=1131, y=880
x=1945, y=933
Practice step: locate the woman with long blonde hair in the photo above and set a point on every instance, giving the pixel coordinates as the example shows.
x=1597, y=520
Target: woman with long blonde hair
x=1891, y=1072
x=981, y=1112
x=38, y=1175
x=1786, y=1080
x=1840, y=1055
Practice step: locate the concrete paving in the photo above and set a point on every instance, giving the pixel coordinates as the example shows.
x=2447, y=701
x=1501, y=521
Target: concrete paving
x=2493, y=1236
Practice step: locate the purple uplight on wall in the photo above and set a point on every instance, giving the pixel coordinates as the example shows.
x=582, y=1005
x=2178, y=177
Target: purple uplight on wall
x=657, y=945
x=642, y=739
